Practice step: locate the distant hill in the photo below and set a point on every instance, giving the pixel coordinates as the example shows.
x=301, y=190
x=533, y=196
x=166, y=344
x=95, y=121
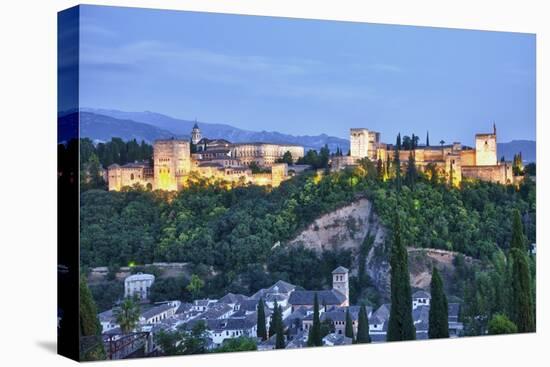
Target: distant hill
x=528, y=149
x=102, y=124
x=101, y=127
x=212, y=130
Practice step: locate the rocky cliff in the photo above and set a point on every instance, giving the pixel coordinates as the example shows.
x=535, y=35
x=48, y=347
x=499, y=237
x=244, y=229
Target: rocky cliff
x=347, y=228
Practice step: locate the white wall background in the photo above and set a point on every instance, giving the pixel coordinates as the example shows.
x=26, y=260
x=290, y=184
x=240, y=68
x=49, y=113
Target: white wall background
x=28, y=180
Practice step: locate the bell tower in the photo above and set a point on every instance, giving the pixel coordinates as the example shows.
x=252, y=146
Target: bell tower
x=196, y=134
x=340, y=282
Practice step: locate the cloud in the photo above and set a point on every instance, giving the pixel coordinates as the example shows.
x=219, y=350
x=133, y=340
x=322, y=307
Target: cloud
x=254, y=74
x=386, y=67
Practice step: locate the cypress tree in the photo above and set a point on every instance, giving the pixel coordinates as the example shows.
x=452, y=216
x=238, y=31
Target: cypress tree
x=380, y=169
x=522, y=310
x=314, y=337
x=427, y=138
x=349, y=326
x=89, y=323
x=400, y=326
x=522, y=298
x=397, y=163
x=518, y=240
x=262, y=329
x=411, y=171
x=273, y=322
x=279, y=330
x=439, y=309
x=363, y=335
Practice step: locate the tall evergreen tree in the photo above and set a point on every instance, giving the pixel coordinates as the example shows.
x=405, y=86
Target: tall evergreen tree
x=314, y=337
x=522, y=310
x=89, y=323
x=400, y=326
x=427, y=138
x=380, y=169
x=522, y=297
x=273, y=321
x=411, y=171
x=363, y=335
x=279, y=330
x=349, y=326
x=261, y=329
x=518, y=240
x=414, y=141
x=439, y=309
x=397, y=162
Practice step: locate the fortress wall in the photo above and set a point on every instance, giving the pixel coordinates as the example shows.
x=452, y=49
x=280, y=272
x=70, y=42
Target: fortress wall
x=120, y=177
x=501, y=173
x=432, y=154
x=468, y=157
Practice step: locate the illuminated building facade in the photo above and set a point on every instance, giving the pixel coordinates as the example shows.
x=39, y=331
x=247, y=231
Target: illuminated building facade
x=455, y=161
x=215, y=159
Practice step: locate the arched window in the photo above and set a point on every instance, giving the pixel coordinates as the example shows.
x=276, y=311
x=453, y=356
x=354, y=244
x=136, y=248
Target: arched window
x=132, y=176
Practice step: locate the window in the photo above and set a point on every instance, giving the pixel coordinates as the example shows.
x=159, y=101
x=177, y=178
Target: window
x=132, y=176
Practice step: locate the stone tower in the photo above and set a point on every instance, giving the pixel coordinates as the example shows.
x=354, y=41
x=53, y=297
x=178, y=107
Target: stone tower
x=196, y=134
x=340, y=282
x=486, y=148
x=172, y=162
x=359, y=142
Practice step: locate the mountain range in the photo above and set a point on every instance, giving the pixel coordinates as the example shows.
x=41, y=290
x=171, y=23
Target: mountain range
x=182, y=128
x=103, y=124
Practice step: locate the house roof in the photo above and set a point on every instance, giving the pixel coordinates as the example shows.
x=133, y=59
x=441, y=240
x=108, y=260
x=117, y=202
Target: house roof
x=340, y=270
x=279, y=287
x=139, y=277
x=421, y=294
x=383, y=312
x=296, y=317
x=204, y=302
x=299, y=340
x=106, y=316
x=232, y=298
x=337, y=339
x=155, y=311
x=184, y=307
x=325, y=297
x=216, y=311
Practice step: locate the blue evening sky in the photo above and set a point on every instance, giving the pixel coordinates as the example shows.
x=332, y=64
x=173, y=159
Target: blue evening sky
x=307, y=76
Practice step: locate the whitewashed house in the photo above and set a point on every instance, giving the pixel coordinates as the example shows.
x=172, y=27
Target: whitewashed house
x=138, y=285
x=420, y=298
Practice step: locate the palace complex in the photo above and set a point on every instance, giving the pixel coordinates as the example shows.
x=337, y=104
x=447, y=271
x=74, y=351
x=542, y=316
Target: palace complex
x=174, y=162
x=455, y=161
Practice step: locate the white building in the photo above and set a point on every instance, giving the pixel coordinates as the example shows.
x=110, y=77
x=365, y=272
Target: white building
x=363, y=143
x=138, y=285
x=159, y=313
x=108, y=321
x=420, y=298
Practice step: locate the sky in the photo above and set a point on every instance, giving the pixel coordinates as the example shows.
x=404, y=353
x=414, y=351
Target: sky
x=307, y=77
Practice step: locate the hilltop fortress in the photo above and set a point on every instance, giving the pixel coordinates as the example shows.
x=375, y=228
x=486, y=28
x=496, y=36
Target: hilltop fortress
x=175, y=160
x=455, y=161
x=174, y=163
